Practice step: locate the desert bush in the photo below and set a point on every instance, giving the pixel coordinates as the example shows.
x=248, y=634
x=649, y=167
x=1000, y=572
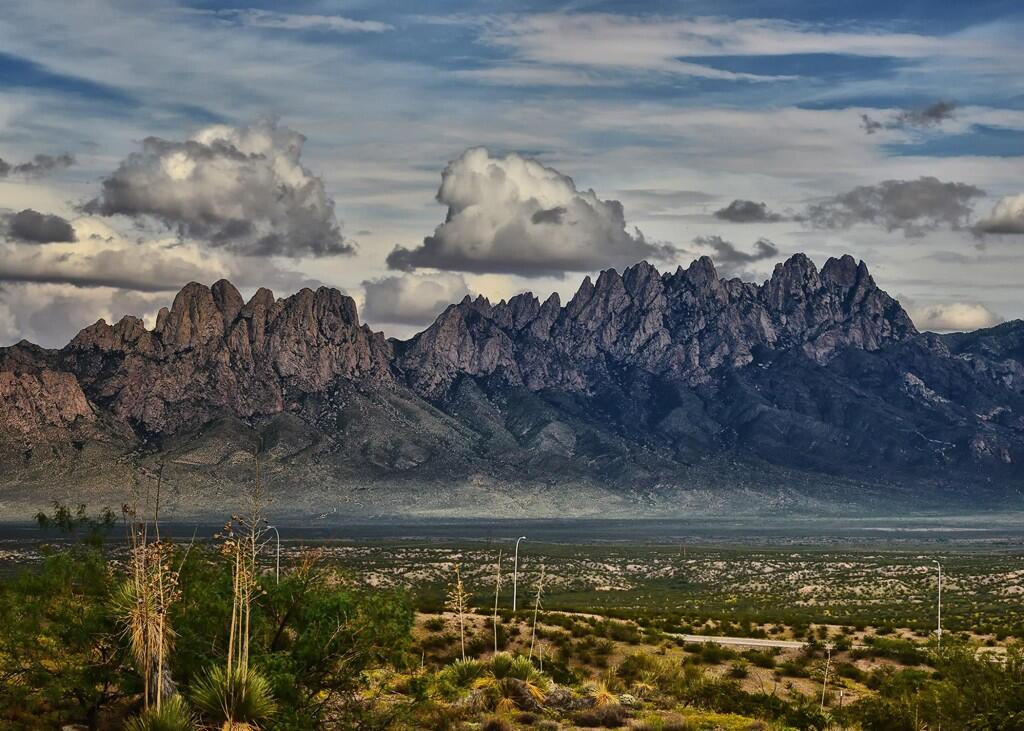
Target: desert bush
x=606, y=716
x=738, y=670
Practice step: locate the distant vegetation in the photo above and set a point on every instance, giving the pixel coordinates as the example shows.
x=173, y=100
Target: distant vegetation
x=149, y=635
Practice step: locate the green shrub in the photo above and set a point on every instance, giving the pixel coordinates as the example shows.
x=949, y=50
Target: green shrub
x=174, y=715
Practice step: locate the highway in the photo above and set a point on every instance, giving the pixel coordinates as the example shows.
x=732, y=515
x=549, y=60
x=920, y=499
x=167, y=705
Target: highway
x=741, y=641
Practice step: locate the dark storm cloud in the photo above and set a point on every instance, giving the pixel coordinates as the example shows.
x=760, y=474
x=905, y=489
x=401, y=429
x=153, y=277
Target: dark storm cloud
x=913, y=206
x=726, y=252
x=932, y=115
x=734, y=262
x=240, y=188
x=744, y=211
x=38, y=166
x=37, y=228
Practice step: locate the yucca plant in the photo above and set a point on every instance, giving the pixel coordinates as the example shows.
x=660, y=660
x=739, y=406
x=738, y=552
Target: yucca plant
x=603, y=695
x=239, y=700
x=463, y=673
x=511, y=683
x=172, y=715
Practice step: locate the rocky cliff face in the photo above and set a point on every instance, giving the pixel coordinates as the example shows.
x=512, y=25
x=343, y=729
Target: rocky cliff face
x=213, y=355
x=646, y=391
x=685, y=325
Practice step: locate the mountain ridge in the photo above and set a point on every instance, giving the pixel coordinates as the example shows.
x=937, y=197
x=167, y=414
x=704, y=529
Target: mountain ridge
x=648, y=392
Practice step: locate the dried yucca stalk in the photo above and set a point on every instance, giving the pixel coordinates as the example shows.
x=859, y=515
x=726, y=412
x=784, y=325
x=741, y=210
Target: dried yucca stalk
x=245, y=537
x=536, y=608
x=457, y=601
x=497, y=591
x=145, y=599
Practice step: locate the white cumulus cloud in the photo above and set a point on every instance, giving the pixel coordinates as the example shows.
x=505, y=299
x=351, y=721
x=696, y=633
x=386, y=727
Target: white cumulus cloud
x=513, y=215
x=241, y=188
x=1007, y=217
x=953, y=317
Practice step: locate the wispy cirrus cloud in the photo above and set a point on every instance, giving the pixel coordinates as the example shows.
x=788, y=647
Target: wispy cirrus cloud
x=689, y=46
x=292, y=21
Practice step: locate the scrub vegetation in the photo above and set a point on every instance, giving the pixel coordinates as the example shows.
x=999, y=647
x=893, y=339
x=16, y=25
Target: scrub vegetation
x=147, y=633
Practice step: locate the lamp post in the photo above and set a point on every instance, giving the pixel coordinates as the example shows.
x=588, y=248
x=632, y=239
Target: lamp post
x=515, y=572
x=824, y=682
x=938, y=630
x=277, y=567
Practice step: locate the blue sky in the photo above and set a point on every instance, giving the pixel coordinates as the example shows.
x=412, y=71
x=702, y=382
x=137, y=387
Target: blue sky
x=672, y=109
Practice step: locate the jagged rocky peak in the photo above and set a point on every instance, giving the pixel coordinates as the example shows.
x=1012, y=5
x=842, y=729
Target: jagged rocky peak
x=687, y=324
x=193, y=319
x=228, y=300
x=122, y=335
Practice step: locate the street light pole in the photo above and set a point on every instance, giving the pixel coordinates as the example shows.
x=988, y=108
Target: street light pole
x=515, y=572
x=277, y=567
x=938, y=631
x=824, y=682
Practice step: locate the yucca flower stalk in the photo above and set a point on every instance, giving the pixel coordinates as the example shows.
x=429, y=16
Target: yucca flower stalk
x=536, y=608
x=144, y=601
x=457, y=601
x=244, y=539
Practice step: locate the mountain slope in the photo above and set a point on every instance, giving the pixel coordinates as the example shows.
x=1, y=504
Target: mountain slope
x=647, y=393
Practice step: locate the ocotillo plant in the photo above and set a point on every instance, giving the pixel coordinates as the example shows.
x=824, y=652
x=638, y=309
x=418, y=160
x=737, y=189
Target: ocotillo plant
x=497, y=591
x=457, y=599
x=536, y=608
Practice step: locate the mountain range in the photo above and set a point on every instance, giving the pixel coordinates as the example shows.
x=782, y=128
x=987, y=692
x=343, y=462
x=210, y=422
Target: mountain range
x=647, y=394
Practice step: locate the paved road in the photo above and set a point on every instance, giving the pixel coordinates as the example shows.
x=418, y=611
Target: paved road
x=741, y=641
